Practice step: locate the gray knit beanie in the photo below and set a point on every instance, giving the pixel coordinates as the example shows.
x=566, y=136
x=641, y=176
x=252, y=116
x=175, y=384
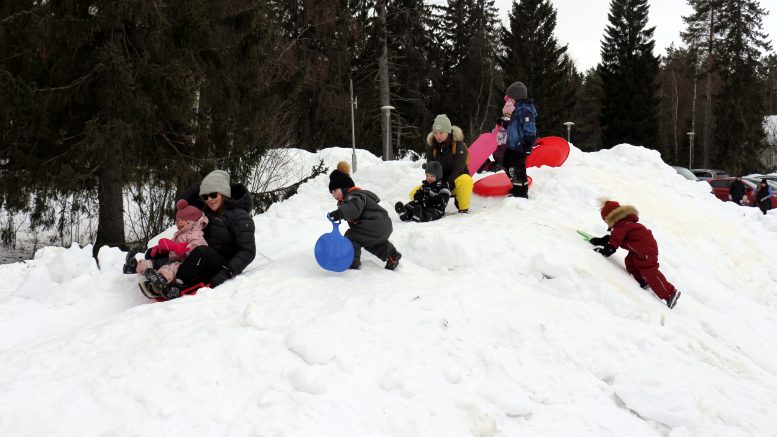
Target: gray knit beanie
x=434, y=168
x=442, y=124
x=216, y=181
x=517, y=91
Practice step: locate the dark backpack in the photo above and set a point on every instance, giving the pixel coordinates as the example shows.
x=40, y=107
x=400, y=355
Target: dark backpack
x=522, y=130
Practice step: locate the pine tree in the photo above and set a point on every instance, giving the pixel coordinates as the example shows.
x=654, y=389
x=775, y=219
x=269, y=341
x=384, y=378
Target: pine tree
x=628, y=71
x=320, y=41
x=740, y=108
x=587, y=132
x=533, y=56
x=408, y=45
x=702, y=35
x=112, y=91
x=678, y=77
x=770, y=85
x=465, y=67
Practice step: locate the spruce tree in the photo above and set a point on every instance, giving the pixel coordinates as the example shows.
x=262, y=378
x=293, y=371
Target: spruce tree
x=740, y=108
x=678, y=78
x=702, y=35
x=112, y=91
x=320, y=41
x=465, y=67
x=408, y=45
x=628, y=71
x=587, y=132
x=533, y=56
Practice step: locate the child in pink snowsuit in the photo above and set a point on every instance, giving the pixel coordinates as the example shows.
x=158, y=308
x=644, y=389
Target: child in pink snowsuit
x=190, y=222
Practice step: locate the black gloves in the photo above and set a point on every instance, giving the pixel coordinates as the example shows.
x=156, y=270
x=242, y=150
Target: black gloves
x=335, y=215
x=419, y=194
x=223, y=274
x=606, y=251
x=600, y=241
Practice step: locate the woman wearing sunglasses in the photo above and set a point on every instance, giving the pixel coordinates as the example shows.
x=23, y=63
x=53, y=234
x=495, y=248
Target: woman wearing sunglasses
x=230, y=233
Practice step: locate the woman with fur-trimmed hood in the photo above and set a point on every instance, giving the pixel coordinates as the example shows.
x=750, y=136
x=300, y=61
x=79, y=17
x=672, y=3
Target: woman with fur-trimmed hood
x=642, y=260
x=446, y=146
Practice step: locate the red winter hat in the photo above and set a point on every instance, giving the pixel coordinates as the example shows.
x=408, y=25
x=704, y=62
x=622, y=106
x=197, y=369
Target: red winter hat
x=187, y=212
x=609, y=206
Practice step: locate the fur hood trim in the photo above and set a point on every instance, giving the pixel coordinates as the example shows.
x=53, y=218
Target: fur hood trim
x=458, y=136
x=619, y=214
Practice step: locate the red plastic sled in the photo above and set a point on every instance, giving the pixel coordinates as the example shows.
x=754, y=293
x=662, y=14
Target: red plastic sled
x=550, y=151
x=480, y=150
x=494, y=185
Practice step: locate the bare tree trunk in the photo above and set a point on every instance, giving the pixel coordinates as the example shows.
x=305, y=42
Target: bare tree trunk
x=675, y=104
x=708, y=106
x=110, y=225
x=384, y=81
x=110, y=222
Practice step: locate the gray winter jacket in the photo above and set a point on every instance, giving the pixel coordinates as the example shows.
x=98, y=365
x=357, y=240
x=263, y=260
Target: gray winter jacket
x=366, y=219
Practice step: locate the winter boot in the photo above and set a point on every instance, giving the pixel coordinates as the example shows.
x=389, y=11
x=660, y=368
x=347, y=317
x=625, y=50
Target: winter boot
x=644, y=285
x=519, y=190
x=399, y=207
x=160, y=284
x=393, y=261
x=671, y=301
x=130, y=263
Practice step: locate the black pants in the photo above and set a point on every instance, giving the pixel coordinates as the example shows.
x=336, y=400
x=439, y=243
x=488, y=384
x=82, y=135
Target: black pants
x=414, y=210
x=378, y=247
x=515, y=166
x=200, y=265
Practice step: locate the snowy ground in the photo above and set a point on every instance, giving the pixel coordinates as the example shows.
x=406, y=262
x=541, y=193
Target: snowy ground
x=498, y=323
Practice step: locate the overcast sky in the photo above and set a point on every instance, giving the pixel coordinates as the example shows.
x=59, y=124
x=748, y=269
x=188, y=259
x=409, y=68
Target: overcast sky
x=581, y=25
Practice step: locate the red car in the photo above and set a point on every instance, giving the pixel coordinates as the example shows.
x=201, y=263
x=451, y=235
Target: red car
x=721, y=187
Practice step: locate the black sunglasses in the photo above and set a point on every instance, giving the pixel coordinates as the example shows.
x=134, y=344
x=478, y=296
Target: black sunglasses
x=211, y=195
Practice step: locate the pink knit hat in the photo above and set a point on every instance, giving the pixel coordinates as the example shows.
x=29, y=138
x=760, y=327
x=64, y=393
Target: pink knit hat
x=187, y=212
x=509, y=107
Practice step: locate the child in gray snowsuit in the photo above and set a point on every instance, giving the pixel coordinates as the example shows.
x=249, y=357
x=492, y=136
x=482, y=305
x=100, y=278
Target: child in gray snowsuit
x=369, y=224
x=430, y=200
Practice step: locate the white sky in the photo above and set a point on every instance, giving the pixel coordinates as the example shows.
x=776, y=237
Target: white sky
x=581, y=25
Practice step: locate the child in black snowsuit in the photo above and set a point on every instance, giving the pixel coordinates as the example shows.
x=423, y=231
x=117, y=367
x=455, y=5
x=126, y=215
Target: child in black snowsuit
x=430, y=200
x=369, y=225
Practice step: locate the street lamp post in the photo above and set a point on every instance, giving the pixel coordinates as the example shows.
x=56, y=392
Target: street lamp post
x=388, y=154
x=690, y=134
x=569, y=125
x=353, y=130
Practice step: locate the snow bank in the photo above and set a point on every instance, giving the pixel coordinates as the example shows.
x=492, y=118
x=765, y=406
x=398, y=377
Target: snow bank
x=502, y=322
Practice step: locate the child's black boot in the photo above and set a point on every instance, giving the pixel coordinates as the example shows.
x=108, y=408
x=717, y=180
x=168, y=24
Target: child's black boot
x=393, y=261
x=160, y=284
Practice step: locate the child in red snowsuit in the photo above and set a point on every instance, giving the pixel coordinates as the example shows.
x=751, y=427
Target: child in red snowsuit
x=642, y=260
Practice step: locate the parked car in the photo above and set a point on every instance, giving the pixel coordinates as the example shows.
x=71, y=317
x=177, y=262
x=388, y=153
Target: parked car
x=721, y=187
x=706, y=173
x=768, y=177
x=684, y=172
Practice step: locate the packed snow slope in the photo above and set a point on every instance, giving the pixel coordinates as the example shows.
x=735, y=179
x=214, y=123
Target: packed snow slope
x=502, y=322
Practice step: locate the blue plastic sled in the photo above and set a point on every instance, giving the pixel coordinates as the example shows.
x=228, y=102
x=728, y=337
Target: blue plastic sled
x=333, y=251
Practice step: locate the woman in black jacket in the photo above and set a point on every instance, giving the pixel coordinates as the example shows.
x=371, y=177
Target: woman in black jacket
x=230, y=234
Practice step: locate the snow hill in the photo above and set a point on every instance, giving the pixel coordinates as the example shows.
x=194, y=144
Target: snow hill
x=502, y=322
